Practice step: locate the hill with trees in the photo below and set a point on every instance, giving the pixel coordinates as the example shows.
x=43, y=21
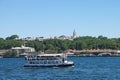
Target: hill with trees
x=57, y=45
x=80, y=43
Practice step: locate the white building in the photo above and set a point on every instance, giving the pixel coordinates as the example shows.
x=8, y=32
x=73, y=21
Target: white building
x=29, y=39
x=39, y=38
x=22, y=50
x=63, y=37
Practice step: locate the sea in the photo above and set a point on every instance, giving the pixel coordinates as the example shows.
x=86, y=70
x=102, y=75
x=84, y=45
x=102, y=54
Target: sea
x=85, y=68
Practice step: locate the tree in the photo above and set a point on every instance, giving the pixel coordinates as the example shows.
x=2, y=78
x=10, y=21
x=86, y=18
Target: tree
x=12, y=43
x=102, y=37
x=1, y=43
x=10, y=54
x=13, y=37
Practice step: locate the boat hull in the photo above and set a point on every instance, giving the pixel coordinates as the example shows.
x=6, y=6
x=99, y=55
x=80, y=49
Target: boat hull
x=56, y=65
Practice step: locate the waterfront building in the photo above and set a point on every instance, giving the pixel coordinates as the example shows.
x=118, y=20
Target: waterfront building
x=23, y=50
x=2, y=52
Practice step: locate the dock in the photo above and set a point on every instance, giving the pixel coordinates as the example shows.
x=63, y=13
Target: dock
x=93, y=53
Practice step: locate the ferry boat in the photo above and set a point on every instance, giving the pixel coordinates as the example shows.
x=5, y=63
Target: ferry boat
x=48, y=60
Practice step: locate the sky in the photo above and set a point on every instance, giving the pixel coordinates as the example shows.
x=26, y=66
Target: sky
x=48, y=18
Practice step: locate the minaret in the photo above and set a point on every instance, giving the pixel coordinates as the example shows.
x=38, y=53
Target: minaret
x=74, y=34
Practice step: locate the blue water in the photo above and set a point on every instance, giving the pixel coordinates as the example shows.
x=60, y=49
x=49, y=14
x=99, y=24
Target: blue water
x=85, y=68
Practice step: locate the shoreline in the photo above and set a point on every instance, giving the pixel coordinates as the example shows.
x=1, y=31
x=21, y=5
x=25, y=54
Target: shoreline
x=68, y=56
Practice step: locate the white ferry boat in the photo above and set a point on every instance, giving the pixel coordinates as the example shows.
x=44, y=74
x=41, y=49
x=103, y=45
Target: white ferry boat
x=48, y=60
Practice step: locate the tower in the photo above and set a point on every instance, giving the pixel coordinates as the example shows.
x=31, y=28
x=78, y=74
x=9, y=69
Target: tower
x=74, y=34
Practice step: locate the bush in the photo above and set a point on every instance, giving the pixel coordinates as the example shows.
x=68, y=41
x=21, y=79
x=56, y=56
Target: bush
x=10, y=54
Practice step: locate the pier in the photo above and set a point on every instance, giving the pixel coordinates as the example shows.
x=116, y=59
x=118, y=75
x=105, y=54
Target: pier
x=107, y=52
x=98, y=51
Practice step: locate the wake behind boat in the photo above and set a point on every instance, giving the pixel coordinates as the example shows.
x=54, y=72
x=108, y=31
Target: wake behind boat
x=48, y=60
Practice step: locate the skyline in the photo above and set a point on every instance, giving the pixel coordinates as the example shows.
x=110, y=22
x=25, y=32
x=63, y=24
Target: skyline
x=48, y=18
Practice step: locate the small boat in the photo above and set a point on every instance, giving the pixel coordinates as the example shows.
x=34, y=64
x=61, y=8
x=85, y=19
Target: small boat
x=104, y=54
x=48, y=60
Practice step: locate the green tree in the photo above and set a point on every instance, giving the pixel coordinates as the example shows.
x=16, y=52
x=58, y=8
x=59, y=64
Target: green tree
x=1, y=43
x=13, y=37
x=10, y=54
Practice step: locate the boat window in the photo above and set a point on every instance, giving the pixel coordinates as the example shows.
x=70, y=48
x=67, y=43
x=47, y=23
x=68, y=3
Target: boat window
x=32, y=62
x=60, y=62
x=56, y=62
x=41, y=62
x=48, y=62
x=37, y=62
x=53, y=62
x=45, y=62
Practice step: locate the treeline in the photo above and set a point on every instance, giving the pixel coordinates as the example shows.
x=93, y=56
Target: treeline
x=80, y=43
x=10, y=42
